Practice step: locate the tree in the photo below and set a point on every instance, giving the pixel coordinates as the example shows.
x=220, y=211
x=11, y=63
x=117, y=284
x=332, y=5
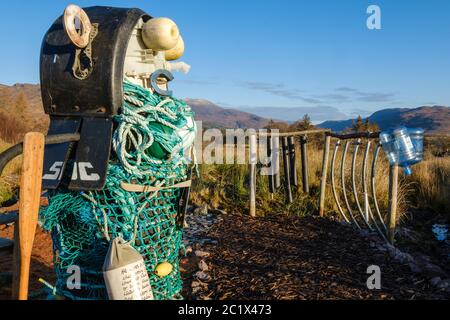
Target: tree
x=271, y=124
x=358, y=125
x=303, y=125
x=282, y=126
x=372, y=127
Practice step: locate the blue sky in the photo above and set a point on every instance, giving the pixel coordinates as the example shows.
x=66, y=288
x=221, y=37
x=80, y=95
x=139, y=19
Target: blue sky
x=317, y=54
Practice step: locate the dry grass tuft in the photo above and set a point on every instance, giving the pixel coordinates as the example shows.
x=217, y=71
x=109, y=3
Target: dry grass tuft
x=431, y=181
x=10, y=177
x=227, y=186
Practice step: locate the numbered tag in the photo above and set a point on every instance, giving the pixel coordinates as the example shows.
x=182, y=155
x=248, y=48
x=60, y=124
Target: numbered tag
x=125, y=274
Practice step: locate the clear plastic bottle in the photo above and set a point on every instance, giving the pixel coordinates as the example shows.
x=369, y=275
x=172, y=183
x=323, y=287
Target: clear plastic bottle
x=389, y=147
x=417, y=135
x=406, y=150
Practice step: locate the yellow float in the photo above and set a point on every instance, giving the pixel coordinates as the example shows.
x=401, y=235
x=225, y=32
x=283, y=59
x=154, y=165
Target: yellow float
x=163, y=269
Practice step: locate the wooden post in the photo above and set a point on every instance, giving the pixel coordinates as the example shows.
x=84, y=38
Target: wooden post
x=253, y=162
x=304, y=145
x=393, y=200
x=287, y=170
x=30, y=195
x=323, y=182
x=293, y=161
x=271, y=175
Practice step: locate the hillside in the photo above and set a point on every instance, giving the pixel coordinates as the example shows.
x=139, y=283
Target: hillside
x=217, y=117
x=21, y=105
x=21, y=111
x=435, y=120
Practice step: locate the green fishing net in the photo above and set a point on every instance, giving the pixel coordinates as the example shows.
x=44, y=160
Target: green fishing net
x=152, y=141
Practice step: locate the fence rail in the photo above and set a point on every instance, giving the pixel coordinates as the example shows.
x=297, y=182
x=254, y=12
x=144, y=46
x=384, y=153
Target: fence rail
x=294, y=134
x=359, y=135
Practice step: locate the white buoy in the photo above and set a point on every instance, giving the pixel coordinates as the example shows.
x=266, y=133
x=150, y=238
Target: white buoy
x=176, y=52
x=160, y=34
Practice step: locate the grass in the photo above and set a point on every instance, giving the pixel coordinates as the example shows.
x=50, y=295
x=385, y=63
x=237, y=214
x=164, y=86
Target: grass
x=431, y=181
x=10, y=178
x=227, y=186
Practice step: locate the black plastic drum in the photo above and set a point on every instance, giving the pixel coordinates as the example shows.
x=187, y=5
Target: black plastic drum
x=99, y=95
x=84, y=104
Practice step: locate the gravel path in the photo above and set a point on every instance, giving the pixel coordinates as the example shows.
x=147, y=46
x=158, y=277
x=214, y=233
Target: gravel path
x=293, y=258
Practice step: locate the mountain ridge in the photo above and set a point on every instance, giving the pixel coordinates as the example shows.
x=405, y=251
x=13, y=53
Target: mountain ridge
x=214, y=116
x=433, y=119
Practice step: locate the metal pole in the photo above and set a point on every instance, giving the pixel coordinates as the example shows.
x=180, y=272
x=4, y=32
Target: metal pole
x=344, y=188
x=287, y=170
x=393, y=201
x=323, y=183
x=367, y=211
x=333, y=181
x=374, y=188
x=304, y=144
x=367, y=208
x=354, y=187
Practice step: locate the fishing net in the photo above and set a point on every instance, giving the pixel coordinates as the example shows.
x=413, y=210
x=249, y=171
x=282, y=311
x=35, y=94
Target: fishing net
x=152, y=141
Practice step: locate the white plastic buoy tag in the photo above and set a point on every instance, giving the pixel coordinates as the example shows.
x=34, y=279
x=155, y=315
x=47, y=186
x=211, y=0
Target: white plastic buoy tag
x=125, y=274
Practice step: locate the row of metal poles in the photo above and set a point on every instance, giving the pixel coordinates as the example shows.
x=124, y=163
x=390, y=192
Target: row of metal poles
x=361, y=214
x=366, y=214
